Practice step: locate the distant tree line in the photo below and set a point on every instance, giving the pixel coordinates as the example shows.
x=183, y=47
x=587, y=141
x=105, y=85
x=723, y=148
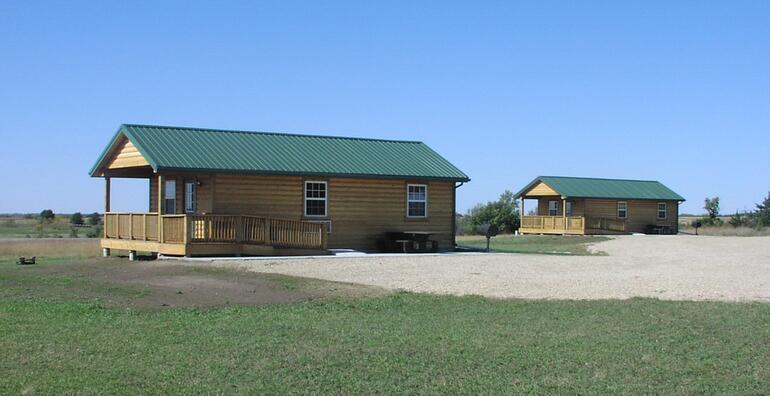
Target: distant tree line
x=757, y=218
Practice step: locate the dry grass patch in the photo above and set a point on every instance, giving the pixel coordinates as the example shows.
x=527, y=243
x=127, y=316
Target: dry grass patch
x=56, y=247
x=727, y=231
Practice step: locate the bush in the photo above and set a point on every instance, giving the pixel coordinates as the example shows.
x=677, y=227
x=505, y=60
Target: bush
x=73, y=232
x=47, y=215
x=740, y=220
x=76, y=218
x=94, y=219
x=711, y=222
x=95, y=232
x=502, y=213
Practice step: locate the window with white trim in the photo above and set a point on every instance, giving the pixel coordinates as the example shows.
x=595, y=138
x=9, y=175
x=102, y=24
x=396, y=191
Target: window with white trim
x=190, y=197
x=315, y=198
x=622, y=210
x=662, y=211
x=169, y=197
x=553, y=208
x=417, y=200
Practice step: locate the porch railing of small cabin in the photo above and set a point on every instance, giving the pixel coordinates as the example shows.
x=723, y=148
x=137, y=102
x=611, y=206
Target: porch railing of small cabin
x=215, y=229
x=132, y=226
x=257, y=230
x=574, y=223
x=608, y=224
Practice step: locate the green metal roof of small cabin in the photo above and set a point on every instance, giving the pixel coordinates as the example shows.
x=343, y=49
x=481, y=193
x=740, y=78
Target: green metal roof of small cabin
x=584, y=187
x=196, y=149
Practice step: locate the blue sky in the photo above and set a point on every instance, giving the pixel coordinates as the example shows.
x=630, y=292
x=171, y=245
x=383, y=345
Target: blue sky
x=674, y=91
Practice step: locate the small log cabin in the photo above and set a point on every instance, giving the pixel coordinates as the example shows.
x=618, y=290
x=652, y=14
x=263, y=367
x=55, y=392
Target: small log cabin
x=222, y=192
x=583, y=206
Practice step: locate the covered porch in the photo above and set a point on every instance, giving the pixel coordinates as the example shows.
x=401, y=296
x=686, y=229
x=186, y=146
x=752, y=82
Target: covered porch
x=557, y=215
x=179, y=222
x=191, y=235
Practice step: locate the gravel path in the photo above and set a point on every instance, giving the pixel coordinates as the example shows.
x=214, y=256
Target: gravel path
x=666, y=267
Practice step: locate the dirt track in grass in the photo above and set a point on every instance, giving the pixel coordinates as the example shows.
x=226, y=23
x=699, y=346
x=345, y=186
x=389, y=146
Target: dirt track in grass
x=152, y=285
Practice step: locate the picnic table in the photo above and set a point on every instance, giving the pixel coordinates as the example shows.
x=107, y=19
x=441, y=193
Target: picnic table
x=410, y=242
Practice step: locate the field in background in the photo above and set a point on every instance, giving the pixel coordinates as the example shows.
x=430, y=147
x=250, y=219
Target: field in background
x=540, y=244
x=20, y=227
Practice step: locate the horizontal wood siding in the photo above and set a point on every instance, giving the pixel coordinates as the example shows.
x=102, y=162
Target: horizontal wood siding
x=361, y=210
x=640, y=212
x=278, y=197
x=125, y=156
x=540, y=189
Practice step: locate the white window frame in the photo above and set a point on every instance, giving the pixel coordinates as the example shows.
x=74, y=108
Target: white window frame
x=325, y=199
x=569, y=209
x=408, y=200
x=190, y=196
x=625, y=209
x=555, y=210
x=665, y=210
x=169, y=191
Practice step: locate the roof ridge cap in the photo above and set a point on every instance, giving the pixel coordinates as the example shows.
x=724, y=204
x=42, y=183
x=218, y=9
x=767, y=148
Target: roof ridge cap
x=272, y=133
x=600, y=178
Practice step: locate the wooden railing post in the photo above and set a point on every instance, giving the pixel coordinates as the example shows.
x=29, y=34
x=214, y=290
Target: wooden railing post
x=324, y=236
x=185, y=233
x=144, y=226
x=238, y=229
x=131, y=226
x=268, y=231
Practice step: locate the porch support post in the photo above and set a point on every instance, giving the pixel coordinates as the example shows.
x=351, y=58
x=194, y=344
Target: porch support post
x=107, y=194
x=564, y=213
x=160, y=209
x=521, y=218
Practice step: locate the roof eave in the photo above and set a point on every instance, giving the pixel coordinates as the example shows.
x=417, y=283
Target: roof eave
x=321, y=174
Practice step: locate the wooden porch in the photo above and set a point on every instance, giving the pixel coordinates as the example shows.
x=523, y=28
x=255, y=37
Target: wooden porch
x=575, y=225
x=190, y=235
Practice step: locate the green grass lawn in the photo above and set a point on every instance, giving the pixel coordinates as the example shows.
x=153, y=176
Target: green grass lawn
x=402, y=342
x=540, y=244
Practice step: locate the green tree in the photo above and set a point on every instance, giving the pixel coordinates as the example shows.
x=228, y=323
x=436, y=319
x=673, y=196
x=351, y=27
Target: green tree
x=712, y=207
x=76, y=218
x=47, y=215
x=503, y=213
x=763, y=212
x=94, y=219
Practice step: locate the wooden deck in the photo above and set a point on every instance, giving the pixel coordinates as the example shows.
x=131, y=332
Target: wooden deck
x=575, y=225
x=196, y=235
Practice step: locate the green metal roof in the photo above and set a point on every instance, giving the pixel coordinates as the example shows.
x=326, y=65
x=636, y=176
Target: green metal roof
x=584, y=187
x=194, y=149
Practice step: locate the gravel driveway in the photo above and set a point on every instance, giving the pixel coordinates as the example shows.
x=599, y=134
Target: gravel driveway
x=666, y=267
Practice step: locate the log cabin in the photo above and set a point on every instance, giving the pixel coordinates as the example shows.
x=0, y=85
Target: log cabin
x=585, y=206
x=224, y=192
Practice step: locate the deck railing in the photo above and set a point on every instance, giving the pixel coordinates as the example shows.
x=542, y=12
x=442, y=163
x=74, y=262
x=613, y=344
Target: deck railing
x=133, y=226
x=239, y=229
x=553, y=223
x=608, y=224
